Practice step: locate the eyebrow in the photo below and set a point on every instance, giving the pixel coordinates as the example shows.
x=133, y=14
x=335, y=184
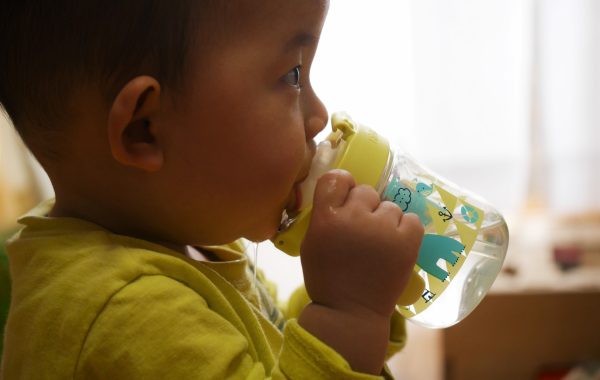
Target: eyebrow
x=300, y=40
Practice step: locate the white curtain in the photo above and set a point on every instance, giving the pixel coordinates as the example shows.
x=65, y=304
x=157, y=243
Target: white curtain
x=447, y=80
x=567, y=130
x=501, y=97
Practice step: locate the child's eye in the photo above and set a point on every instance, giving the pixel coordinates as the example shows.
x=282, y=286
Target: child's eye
x=293, y=77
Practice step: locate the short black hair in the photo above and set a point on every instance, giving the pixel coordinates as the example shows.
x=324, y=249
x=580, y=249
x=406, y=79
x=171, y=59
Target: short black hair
x=50, y=47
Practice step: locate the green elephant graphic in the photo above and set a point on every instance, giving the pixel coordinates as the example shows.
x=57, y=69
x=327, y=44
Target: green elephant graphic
x=435, y=247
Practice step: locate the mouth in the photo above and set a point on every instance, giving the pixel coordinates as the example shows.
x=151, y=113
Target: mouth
x=295, y=202
x=292, y=209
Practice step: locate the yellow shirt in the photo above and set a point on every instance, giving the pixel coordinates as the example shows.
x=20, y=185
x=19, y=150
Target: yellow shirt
x=90, y=304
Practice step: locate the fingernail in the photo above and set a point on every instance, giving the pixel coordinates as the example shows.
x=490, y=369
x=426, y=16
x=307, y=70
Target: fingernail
x=331, y=185
x=339, y=171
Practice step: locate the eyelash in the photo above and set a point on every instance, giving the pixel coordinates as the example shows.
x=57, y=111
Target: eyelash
x=293, y=77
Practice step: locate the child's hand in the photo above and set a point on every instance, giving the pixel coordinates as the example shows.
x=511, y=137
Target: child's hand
x=358, y=252
x=357, y=257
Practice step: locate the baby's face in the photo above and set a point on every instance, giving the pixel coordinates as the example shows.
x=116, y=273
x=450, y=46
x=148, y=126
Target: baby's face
x=242, y=138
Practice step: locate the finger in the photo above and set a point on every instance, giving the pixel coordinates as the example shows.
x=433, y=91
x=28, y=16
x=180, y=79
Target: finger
x=411, y=227
x=364, y=195
x=390, y=208
x=332, y=189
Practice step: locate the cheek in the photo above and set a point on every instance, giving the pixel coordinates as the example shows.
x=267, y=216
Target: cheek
x=274, y=175
x=282, y=160
x=264, y=189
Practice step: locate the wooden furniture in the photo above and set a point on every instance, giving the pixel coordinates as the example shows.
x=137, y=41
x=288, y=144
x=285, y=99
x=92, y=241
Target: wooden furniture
x=515, y=336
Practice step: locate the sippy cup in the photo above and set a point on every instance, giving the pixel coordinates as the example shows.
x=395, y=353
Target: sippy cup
x=465, y=238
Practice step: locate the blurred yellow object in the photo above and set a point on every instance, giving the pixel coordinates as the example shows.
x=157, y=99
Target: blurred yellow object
x=19, y=189
x=19, y=192
x=5, y=286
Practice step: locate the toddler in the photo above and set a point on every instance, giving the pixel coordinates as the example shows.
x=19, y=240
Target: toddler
x=170, y=130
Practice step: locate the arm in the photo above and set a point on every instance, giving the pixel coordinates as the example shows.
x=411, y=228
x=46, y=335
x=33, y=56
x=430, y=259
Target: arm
x=357, y=257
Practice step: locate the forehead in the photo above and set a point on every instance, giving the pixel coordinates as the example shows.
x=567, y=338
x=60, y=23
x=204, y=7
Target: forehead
x=247, y=35
x=251, y=18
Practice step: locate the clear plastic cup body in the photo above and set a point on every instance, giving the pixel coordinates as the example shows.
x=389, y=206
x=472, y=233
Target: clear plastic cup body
x=463, y=248
x=465, y=239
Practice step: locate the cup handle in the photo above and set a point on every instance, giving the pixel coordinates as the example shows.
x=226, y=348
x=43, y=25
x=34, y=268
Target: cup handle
x=412, y=292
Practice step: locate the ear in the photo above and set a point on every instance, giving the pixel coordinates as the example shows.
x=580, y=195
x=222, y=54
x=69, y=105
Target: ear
x=132, y=125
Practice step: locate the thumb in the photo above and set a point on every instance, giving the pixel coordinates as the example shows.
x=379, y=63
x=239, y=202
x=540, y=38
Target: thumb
x=332, y=189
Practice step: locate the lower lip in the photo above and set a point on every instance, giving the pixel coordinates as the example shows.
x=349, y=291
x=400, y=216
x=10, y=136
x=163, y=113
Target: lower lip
x=294, y=206
x=298, y=198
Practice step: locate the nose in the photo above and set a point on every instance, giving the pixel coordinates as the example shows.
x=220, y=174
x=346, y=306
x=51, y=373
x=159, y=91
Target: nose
x=316, y=116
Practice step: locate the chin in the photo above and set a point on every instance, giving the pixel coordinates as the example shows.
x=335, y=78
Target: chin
x=262, y=236
x=264, y=232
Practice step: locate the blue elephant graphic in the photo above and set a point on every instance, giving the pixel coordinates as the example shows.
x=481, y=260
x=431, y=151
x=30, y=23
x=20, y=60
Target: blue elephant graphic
x=435, y=247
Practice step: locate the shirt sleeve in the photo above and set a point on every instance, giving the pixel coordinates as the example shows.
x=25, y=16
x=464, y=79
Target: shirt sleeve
x=299, y=299
x=159, y=328
x=303, y=356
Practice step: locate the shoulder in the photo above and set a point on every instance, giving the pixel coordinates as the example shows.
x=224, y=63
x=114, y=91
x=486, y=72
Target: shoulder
x=155, y=321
